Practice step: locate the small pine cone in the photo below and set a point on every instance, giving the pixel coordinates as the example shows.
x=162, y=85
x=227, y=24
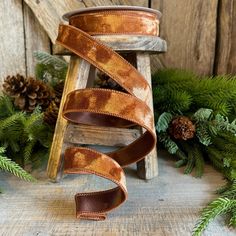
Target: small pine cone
x=104, y=81
x=51, y=113
x=182, y=128
x=58, y=88
x=14, y=86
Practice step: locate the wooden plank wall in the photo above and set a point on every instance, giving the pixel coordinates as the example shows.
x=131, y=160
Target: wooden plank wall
x=20, y=35
x=200, y=34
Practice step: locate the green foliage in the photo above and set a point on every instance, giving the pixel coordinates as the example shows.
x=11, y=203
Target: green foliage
x=181, y=91
x=49, y=68
x=210, y=102
x=168, y=143
x=8, y=165
x=215, y=208
x=23, y=133
x=203, y=114
x=163, y=122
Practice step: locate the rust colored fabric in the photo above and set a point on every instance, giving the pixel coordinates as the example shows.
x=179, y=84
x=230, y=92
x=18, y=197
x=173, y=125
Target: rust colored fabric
x=104, y=107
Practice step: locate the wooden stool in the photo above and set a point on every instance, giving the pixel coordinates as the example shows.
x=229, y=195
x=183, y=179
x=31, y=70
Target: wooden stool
x=81, y=75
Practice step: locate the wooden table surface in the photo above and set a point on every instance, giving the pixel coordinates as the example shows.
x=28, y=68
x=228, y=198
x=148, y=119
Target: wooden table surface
x=167, y=205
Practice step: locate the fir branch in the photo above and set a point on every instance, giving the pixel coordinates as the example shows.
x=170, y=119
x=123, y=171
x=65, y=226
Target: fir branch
x=215, y=208
x=199, y=161
x=232, y=221
x=8, y=165
x=50, y=69
x=6, y=107
x=190, y=164
x=10, y=121
x=168, y=143
x=180, y=163
x=203, y=114
x=202, y=132
x=163, y=122
x=224, y=188
x=28, y=150
x=48, y=59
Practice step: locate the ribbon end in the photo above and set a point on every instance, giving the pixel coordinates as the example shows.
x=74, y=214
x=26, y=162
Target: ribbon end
x=91, y=216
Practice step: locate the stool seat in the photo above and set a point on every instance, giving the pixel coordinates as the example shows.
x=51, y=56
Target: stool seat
x=126, y=43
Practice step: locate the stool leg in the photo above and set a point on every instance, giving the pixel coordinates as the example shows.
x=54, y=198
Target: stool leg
x=147, y=168
x=76, y=78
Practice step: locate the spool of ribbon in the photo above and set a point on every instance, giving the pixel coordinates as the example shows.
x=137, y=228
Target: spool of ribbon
x=105, y=107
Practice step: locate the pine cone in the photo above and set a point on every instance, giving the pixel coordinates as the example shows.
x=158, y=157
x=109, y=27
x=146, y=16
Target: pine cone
x=58, y=90
x=182, y=128
x=28, y=93
x=104, y=81
x=51, y=113
x=13, y=86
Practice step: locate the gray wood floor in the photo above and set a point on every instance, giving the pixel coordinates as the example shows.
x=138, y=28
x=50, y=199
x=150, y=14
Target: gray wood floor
x=167, y=205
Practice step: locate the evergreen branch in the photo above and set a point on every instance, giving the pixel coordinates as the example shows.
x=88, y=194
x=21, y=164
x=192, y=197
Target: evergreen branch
x=168, y=143
x=8, y=165
x=28, y=150
x=202, y=133
x=203, y=114
x=224, y=188
x=232, y=221
x=163, y=122
x=180, y=163
x=179, y=153
x=10, y=121
x=48, y=59
x=199, y=161
x=215, y=208
x=190, y=164
x=6, y=106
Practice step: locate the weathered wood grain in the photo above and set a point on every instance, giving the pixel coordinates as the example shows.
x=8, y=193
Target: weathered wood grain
x=76, y=78
x=189, y=27
x=49, y=12
x=125, y=43
x=165, y=206
x=225, y=61
x=12, y=47
x=147, y=168
x=93, y=135
x=35, y=39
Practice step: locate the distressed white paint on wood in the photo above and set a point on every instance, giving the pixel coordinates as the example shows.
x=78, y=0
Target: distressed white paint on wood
x=12, y=48
x=164, y=206
x=35, y=39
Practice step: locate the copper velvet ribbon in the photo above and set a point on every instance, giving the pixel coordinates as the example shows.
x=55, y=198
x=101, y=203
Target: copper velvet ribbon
x=105, y=107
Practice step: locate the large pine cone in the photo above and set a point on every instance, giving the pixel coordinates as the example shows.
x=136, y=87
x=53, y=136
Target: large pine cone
x=28, y=93
x=13, y=86
x=182, y=128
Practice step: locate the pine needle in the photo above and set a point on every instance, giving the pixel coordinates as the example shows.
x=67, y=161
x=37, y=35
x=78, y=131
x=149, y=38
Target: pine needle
x=48, y=59
x=8, y=165
x=215, y=208
x=163, y=122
